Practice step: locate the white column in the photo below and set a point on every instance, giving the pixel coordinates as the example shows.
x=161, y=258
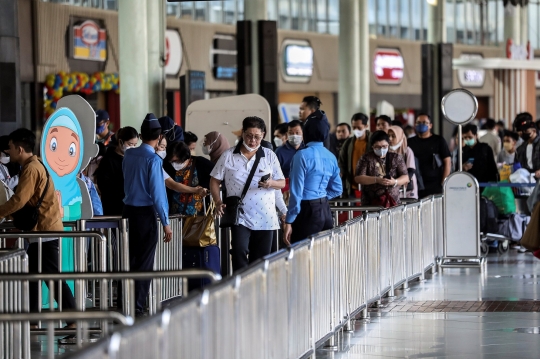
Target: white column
x=512, y=23
x=133, y=62
x=353, y=95
x=436, y=21
x=255, y=10
x=524, y=21
x=156, y=44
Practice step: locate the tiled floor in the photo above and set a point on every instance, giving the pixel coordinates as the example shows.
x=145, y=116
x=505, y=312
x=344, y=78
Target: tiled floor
x=510, y=283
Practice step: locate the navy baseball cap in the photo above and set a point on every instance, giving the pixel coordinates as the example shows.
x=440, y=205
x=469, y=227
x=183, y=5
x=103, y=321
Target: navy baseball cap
x=102, y=115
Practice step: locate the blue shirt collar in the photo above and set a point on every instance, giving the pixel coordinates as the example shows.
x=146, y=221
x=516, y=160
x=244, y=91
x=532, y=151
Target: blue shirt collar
x=315, y=144
x=148, y=148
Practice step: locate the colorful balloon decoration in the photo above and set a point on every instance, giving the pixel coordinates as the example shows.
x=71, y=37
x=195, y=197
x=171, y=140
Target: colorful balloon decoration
x=76, y=82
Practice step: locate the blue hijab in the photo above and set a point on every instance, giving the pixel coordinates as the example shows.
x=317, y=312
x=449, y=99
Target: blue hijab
x=67, y=185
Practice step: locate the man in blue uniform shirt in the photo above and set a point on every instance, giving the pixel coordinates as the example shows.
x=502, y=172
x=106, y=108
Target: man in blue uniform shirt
x=314, y=179
x=144, y=187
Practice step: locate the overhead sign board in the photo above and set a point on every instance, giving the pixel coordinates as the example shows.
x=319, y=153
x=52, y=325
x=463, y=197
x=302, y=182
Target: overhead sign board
x=89, y=41
x=173, y=52
x=297, y=60
x=388, y=66
x=471, y=77
x=224, y=57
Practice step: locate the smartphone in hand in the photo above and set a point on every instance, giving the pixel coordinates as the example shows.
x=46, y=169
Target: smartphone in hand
x=265, y=178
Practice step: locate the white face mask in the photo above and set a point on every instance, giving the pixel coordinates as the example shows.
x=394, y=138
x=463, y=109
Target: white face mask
x=206, y=150
x=278, y=141
x=393, y=148
x=358, y=133
x=178, y=166
x=381, y=152
x=4, y=158
x=249, y=148
x=125, y=148
x=162, y=154
x=295, y=140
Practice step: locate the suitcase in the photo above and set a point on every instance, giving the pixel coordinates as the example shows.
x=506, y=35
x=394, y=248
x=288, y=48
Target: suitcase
x=489, y=216
x=204, y=258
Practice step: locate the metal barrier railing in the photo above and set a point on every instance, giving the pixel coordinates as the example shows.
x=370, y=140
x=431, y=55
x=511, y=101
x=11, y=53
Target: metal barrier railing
x=14, y=339
x=294, y=300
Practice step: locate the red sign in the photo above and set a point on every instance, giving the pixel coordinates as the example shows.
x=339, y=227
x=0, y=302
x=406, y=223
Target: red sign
x=388, y=66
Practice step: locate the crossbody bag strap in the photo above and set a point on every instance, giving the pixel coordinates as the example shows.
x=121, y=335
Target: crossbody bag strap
x=46, y=188
x=192, y=174
x=250, y=177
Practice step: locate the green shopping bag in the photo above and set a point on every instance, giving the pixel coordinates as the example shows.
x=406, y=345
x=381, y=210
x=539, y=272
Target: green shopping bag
x=503, y=197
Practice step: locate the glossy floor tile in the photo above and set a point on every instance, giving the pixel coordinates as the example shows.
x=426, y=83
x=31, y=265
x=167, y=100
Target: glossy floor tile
x=509, y=282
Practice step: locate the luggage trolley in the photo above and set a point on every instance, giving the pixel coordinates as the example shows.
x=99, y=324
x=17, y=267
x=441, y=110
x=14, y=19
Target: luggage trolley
x=461, y=212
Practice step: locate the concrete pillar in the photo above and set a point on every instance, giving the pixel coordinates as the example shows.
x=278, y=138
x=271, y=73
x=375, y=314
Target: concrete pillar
x=133, y=62
x=524, y=22
x=350, y=55
x=156, y=45
x=255, y=10
x=512, y=23
x=10, y=91
x=365, y=58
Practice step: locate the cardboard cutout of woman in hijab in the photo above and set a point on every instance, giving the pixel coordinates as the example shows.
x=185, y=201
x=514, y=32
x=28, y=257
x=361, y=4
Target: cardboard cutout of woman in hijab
x=67, y=145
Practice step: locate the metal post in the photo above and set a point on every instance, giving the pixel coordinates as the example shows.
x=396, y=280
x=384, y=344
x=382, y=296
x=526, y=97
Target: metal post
x=460, y=149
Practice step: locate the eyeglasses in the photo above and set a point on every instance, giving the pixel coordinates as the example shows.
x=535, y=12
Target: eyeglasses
x=253, y=137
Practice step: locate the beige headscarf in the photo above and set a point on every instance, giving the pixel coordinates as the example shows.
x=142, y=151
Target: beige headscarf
x=219, y=145
x=400, y=137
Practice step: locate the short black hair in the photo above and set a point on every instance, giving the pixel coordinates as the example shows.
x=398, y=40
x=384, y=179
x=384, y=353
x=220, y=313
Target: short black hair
x=253, y=122
x=190, y=137
x=126, y=133
x=312, y=102
x=501, y=123
x=522, y=118
x=295, y=123
x=282, y=128
x=384, y=118
x=360, y=117
x=180, y=150
x=148, y=134
x=378, y=136
x=513, y=135
x=470, y=128
x=424, y=114
x=24, y=138
x=397, y=123
x=490, y=124
x=345, y=124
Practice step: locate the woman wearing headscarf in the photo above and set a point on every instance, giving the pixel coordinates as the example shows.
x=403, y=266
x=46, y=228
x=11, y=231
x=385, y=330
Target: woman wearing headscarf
x=398, y=144
x=214, y=145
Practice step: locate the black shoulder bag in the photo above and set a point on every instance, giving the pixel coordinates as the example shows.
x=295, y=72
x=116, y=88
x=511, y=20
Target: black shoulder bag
x=26, y=218
x=233, y=204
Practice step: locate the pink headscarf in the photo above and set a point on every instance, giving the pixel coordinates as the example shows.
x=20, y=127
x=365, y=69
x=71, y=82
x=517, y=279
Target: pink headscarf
x=400, y=137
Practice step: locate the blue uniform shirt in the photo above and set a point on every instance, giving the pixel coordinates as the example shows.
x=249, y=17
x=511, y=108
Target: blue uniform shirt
x=143, y=181
x=285, y=154
x=314, y=174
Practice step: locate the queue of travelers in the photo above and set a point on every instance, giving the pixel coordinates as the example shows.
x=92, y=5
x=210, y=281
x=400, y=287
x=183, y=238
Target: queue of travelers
x=256, y=189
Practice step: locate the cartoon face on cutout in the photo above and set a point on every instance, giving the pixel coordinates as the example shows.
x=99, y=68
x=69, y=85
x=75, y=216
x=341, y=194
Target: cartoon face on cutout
x=62, y=149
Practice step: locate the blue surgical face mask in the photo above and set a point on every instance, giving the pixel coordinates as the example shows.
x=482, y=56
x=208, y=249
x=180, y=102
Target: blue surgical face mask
x=101, y=128
x=422, y=128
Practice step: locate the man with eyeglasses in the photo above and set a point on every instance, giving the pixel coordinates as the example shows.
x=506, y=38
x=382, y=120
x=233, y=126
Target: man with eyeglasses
x=433, y=156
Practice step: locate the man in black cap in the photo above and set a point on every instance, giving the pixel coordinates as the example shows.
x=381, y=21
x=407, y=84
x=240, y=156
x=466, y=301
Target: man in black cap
x=314, y=179
x=144, y=187
x=528, y=154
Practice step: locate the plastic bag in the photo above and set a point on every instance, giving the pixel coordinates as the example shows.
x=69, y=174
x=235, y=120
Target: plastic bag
x=503, y=197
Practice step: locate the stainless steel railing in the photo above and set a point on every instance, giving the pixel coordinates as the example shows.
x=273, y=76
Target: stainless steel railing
x=294, y=300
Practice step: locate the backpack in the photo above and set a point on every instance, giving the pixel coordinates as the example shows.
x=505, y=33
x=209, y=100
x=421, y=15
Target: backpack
x=488, y=216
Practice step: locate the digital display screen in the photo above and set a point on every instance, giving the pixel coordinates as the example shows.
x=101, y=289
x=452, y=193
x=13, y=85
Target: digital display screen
x=299, y=60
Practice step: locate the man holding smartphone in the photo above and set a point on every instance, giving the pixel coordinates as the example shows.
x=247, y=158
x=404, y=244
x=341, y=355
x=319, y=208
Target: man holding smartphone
x=478, y=157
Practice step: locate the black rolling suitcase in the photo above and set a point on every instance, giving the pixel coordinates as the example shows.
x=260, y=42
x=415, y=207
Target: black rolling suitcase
x=204, y=258
x=489, y=215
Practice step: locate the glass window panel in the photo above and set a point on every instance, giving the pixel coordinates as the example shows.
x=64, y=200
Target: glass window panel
x=450, y=21
x=284, y=14
x=533, y=24
x=372, y=17
x=417, y=20
x=491, y=26
x=381, y=18
x=295, y=23
x=333, y=10
x=460, y=22
x=200, y=11
x=333, y=27
x=240, y=13
x=393, y=8
x=469, y=18
x=112, y=4
x=271, y=7
x=187, y=9
x=425, y=20
x=229, y=8
x=215, y=14
x=404, y=18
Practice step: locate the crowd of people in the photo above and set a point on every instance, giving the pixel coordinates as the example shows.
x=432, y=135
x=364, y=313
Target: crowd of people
x=260, y=187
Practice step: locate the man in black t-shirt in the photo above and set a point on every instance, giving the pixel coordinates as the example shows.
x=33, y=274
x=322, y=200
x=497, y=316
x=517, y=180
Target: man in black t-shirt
x=433, y=156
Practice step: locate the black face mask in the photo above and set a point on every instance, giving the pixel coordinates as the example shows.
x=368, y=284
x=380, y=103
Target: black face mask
x=526, y=136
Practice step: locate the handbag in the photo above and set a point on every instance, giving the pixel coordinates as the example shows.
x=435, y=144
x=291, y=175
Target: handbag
x=200, y=231
x=531, y=237
x=26, y=218
x=385, y=200
x=233, y=204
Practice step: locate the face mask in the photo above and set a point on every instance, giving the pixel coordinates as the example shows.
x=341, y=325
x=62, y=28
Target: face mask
x=249, y=148
x=178, y=166
x=422, y=128
x=295, y=140
x=526, y=136
x=394, y=148
x=278, y=141
x=469, y=143
x=508, y=146
x=358, y=133
x=4, y=158
x=206, y=150
x=162, y=154
x=193, y=153
x=382, y=152
x=101, y=129
x=411, y=135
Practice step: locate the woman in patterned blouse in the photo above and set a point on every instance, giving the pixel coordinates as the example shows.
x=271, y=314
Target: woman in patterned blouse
x=381, y=173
